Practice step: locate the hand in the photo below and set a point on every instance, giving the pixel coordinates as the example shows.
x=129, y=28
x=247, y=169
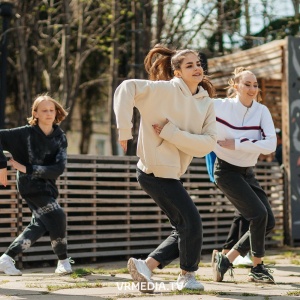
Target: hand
x=123, y=145
x=159, y=128
x=18, y=166
x=3, y=176
x=227, y=143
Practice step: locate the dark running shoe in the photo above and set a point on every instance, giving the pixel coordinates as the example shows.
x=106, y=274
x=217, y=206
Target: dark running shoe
x=261, y=274
x=220, y=265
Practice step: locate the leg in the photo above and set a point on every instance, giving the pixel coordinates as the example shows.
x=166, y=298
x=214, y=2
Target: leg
x=184, y=242
x=186, y=238
x=239, y=227
x=256, y=212
x=259, y=213
x=27, y=238
x=53, y=218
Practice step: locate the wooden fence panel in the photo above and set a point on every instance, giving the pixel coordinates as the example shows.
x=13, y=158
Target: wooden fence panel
x=110, y=216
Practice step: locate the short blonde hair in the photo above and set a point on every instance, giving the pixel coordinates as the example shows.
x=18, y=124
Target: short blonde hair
x=61, y=113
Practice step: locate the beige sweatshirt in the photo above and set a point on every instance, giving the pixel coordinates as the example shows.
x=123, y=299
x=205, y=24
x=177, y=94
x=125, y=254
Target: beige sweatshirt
x=191, y=130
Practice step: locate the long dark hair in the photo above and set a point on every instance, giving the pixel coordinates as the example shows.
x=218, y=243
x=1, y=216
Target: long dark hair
x=161, y=62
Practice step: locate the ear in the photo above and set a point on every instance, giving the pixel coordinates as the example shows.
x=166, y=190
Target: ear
x=177, y=74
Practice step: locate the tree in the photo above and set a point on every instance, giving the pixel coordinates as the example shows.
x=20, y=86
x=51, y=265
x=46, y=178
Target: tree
x=55, y=45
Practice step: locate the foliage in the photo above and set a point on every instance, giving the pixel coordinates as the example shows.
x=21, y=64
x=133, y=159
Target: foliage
x=62, y=48
x=80, y=50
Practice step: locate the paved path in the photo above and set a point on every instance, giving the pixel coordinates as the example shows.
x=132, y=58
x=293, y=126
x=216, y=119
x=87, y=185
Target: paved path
x=43, y=284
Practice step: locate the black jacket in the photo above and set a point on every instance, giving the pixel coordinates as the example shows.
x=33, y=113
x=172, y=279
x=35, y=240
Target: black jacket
x=44, y=156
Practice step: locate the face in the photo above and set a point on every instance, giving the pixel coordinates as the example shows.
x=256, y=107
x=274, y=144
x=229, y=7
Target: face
x=247, y=87
x=45, y=113
x=190, y=70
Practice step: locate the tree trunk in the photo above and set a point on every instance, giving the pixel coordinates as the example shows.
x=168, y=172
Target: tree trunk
x=220, y=28
x=114, y=77
x=296, y=4
x=248, y=25
x=66, y=88
x=159, y=20
x=24, y=91
x=141, y=29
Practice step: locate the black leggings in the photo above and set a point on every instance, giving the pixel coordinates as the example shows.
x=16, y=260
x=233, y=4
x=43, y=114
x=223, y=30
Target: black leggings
x=49, y=218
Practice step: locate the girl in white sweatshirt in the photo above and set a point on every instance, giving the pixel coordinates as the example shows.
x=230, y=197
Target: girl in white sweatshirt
x=177, y=123
x=245, y=130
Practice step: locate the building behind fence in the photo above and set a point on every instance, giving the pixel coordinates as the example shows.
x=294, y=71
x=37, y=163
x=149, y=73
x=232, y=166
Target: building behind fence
x=110, y=216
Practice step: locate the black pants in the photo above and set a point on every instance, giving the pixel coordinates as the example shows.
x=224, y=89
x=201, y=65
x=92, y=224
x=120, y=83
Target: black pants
x=185, y=241
x=239, y=227
x=242, y=189
x=49, y=218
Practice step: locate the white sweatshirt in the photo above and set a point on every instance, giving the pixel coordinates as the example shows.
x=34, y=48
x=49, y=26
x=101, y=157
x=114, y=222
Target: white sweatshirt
x=252, y=129
x=191, y=130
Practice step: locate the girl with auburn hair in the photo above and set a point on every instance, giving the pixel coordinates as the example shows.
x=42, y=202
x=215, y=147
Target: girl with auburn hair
x=177, y=124
x=39, y=155
x=245, y=130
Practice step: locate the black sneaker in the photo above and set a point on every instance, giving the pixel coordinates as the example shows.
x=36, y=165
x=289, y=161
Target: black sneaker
x=220, y=265
x=261, y=274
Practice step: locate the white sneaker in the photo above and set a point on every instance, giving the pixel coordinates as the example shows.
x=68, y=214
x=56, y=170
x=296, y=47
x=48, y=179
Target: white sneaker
x=7, y=265
x=188, y=281
x=243, y=261
x=140, y=273
x=64, y=266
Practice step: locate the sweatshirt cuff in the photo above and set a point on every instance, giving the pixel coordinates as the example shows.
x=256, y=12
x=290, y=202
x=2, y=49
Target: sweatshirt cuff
x=29, y=169
x=125, y=134
x=168, y=131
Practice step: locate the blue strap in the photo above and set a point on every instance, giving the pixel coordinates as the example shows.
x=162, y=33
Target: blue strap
x=210, y=162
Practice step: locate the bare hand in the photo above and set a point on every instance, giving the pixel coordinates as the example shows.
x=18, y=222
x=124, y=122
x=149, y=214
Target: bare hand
x=3, y=176
x=228, y=144
x=18, y=166
x=123, y=145
x=159, y=128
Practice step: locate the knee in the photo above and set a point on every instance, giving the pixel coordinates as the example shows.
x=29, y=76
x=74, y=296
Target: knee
x=270, y=224
x=261, y=218
x=195, y=227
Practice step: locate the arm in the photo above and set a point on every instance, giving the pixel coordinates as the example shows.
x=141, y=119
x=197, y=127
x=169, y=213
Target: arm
x=125, y=97
x=8, y=138
x=5, y=137
x=3, y=176
x=197, y=145
x=268, y=142
x=52, y=171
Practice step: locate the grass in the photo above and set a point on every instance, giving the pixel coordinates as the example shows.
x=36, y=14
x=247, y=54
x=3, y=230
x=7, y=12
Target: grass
x=293, y=293
x=78, y=285
x=81, y=272
x=295, y=262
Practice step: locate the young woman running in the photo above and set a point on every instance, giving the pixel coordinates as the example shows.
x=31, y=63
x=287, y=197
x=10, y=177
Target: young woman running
x=177, y=123
x=245, y=130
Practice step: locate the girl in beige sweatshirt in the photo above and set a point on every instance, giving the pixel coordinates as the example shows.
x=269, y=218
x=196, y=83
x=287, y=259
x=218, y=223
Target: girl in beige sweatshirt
x=177, y=123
